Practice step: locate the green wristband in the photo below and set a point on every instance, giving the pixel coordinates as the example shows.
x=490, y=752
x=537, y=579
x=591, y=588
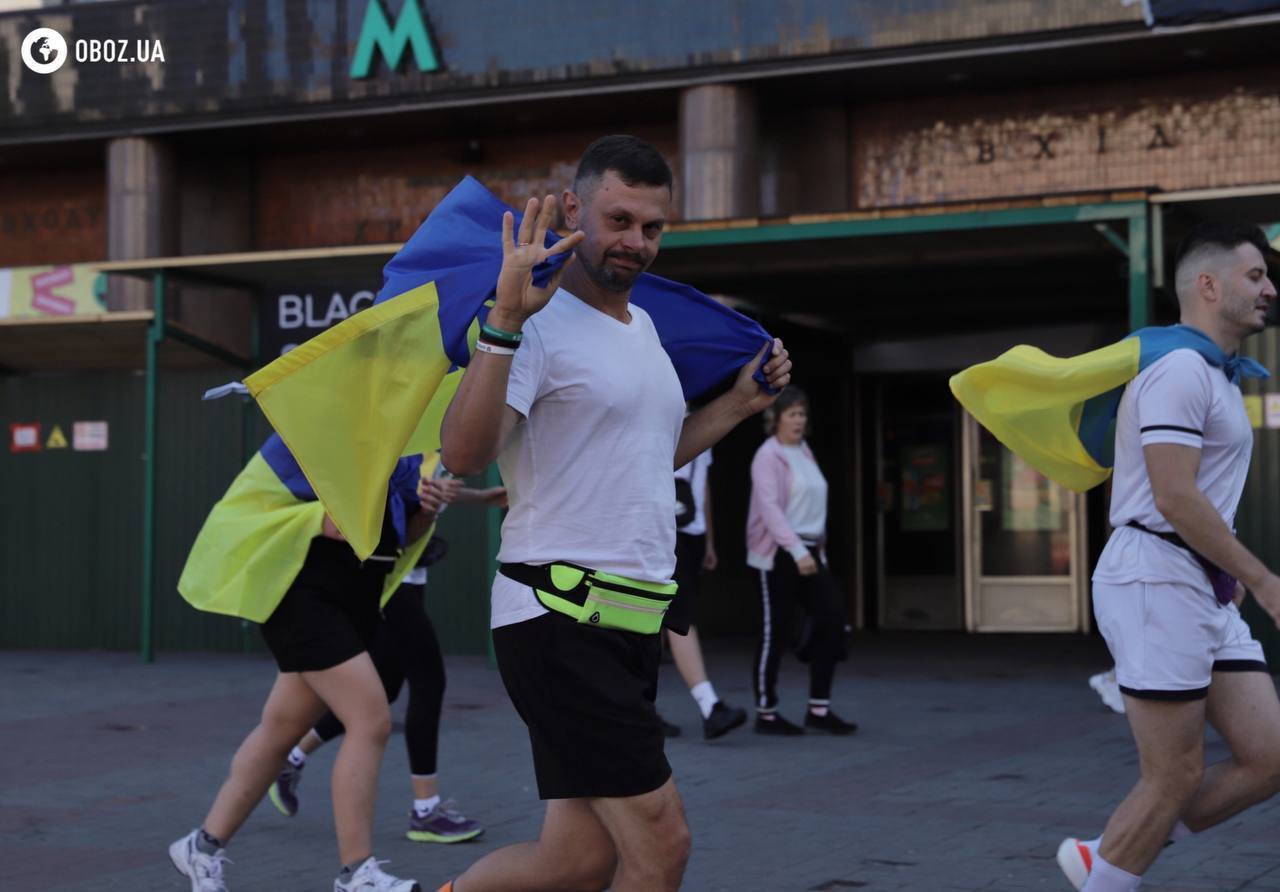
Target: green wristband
x=499, y=334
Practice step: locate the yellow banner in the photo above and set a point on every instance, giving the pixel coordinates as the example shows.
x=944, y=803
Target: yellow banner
x=50, y=291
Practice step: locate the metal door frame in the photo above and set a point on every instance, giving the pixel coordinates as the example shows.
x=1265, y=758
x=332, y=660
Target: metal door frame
x=1076, y=581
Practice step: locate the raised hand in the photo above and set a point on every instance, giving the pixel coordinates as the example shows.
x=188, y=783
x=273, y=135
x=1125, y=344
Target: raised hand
x=777, y=371
x=518, y=298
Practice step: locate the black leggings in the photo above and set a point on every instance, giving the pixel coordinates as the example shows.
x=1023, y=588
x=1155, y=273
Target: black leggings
x=405, y=649
x=823, y=642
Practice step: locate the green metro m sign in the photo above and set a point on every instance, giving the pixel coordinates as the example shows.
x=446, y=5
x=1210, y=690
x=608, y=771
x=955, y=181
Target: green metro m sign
x=377, y=33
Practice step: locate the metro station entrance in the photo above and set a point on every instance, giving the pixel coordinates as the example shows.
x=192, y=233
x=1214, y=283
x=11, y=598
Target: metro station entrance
x=967, y=535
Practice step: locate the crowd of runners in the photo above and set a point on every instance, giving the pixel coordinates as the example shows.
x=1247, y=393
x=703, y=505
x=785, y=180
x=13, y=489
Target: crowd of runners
x=604, y=457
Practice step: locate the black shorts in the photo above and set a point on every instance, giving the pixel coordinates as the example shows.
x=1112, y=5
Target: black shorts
x=690, y=551
x=330, y=613
x=586, y=695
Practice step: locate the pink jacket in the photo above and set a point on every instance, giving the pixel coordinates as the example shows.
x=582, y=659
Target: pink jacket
x=767, y=527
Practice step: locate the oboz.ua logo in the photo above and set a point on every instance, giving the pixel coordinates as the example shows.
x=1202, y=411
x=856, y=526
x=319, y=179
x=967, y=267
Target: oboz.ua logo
x=44, y=50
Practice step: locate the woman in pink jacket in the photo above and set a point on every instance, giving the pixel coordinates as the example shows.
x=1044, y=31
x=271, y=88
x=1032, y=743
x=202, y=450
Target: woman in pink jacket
x=786, y=537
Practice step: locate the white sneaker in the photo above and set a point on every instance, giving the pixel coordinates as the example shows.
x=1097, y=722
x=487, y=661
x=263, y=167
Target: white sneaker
x=1104, y=684
x=204, y=871
x=1076, y=860
x=370, y=878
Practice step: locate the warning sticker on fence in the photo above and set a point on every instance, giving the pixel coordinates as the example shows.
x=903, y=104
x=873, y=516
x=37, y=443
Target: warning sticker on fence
x=24, y=437
x=57, y=439
x=89, y=436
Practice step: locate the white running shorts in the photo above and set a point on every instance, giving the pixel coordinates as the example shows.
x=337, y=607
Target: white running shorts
x=1168, y=638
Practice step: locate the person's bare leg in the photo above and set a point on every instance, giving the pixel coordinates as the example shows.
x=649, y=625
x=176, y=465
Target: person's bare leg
x=1245, y=710
x=356, y=696
x=291, y=709
x=310, y=742
x=424, y=787
x=573, y=853
x=686, y=651
x=1170, y=740
x=651, y=837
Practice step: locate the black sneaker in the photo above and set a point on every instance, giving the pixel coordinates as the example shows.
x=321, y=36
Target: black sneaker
x=831, y=723
x=668, y=729
x=777, y=725
x=723, y=719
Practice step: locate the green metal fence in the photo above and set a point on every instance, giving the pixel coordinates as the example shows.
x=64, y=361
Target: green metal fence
x=71, y=556
x=1257, y=521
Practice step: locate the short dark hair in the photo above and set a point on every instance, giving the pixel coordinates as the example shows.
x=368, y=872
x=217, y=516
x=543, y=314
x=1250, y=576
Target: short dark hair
x=636, y=162
x=1217, y=234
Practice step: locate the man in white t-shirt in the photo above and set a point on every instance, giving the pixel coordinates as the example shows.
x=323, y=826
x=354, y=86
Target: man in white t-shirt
x=1163, y=589
x=572, y=392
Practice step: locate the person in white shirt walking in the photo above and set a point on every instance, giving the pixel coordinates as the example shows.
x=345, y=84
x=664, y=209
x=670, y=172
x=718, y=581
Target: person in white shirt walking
x=696, y=552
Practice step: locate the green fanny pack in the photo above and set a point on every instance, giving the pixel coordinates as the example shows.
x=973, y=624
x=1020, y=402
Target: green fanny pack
x=596, y=598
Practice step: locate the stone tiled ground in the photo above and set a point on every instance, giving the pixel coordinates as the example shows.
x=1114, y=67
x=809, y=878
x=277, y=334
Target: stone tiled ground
x=976, y=756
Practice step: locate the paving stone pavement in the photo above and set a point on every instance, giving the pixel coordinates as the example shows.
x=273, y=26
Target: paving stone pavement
x=975, y=757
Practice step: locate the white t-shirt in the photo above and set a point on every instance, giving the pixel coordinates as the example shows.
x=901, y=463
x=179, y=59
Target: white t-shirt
x=588, y=470
x=696, y=473
x=1179, y=399
x=807, y=501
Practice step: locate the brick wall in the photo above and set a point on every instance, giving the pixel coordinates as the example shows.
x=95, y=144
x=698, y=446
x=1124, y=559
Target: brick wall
x=1184, y=132
x=373, y=195
x=53, y=216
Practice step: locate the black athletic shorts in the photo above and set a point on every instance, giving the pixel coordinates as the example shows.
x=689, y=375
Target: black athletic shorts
x=586, y=695
x=330, y=612
x=690, y=551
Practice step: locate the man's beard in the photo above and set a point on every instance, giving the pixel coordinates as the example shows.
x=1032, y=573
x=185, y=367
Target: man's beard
x=1246, y=316
x=612, y=278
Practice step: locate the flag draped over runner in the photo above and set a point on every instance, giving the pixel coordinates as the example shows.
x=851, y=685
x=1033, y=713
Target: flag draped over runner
x=255, y=539
x=1059, y=414
x=351, y=401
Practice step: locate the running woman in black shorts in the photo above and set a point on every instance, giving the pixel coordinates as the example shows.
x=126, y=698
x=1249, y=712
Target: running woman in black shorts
x=405, y=651
x=320, y=634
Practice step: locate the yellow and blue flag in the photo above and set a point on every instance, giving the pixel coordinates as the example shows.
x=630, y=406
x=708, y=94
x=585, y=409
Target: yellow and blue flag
x=255, y=539
x=1058, y=414
x=354, y=399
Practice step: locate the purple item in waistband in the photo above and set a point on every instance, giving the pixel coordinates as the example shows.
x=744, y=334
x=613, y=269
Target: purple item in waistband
x=1224, y=584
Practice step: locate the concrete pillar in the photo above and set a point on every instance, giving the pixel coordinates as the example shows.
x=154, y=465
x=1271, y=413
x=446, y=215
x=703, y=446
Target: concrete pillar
x=142, y=211
x=805, y=162
x=216, y=217
x=718, y=151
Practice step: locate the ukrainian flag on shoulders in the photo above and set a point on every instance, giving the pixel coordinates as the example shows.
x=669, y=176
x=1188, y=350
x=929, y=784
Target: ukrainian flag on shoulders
x=351, y=401
x=1058, y=414
x=255, y=540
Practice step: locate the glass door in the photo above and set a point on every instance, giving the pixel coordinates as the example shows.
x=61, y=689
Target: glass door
x=918, y=505
x=1025, y=543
